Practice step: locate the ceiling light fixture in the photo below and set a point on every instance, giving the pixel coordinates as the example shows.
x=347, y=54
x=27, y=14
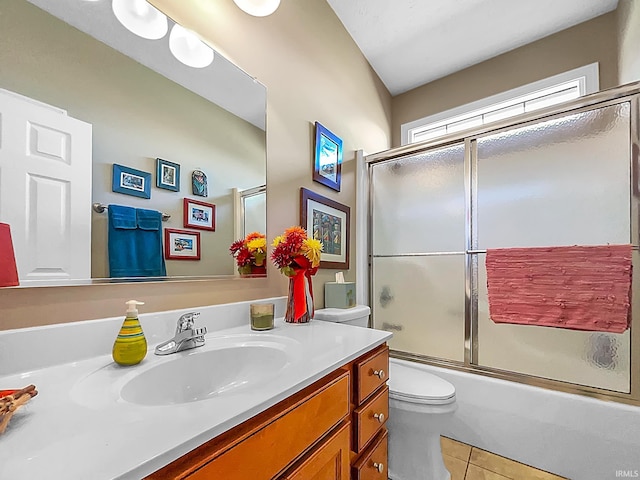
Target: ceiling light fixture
x=140, y=18
x=187, y=47
x=258, y=8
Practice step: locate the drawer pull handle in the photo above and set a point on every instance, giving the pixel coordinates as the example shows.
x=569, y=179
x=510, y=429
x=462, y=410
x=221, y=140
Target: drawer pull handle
x=379, y=417
x=379, y=467
x=379, y=373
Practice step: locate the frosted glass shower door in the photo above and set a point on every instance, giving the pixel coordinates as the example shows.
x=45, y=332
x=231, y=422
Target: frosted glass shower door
x=558, y=182
x=418, y=244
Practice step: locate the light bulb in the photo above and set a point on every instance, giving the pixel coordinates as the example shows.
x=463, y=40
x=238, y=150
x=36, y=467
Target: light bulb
x=188, y=48
x=258, y=8
x=141, y=18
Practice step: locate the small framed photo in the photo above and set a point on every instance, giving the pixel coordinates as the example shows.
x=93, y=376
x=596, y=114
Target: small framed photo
x=181, y=244
x=327, y=221
x=167, y=175
x=328, y=158
x=131, y=181
x=197, y=214
x=199, y=185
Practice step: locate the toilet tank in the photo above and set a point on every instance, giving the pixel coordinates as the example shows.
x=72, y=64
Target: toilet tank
x=357, y=315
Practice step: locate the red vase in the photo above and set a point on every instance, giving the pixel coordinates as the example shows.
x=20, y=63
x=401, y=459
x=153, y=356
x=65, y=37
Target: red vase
x=249, y=271
x=258, y=270
x=289, y=315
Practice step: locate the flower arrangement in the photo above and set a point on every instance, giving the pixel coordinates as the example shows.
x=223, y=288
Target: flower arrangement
x=297, y=257
x=294, y=251
x=250, y=252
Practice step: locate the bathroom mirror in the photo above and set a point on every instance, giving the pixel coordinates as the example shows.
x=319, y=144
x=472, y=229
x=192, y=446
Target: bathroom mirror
x=146, y=111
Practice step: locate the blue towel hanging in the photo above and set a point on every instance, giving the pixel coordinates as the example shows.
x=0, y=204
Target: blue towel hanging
x=135, y=242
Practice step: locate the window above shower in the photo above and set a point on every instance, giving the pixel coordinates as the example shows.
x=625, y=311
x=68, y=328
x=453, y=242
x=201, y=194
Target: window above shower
x=527, y=98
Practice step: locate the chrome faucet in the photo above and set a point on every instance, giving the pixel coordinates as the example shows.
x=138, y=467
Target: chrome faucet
x=186, y=337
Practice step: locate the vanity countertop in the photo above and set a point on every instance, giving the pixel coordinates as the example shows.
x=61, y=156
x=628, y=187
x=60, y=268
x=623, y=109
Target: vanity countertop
x=73, y=431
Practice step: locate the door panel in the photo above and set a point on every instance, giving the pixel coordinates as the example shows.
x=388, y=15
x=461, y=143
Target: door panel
x=45, y=165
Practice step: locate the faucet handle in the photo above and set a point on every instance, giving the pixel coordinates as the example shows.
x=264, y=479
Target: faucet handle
x=200, y=332
x=187, y=321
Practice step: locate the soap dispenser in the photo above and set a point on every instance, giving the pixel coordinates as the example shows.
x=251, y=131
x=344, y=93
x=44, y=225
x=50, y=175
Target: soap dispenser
x=130, y=346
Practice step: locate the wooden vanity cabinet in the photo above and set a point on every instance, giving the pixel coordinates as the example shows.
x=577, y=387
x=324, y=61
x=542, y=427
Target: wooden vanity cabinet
x=329, y=461
x=313, y=435
x=369, y=415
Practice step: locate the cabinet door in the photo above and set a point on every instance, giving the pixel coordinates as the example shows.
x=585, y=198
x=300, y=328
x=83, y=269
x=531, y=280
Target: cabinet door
x=329, y=461
x=371, y=374
x=268, y=451
x=369, y=418
x=372, y=465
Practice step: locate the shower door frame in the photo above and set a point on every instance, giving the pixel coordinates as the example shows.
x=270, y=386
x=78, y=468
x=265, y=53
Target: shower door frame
x=626, y=93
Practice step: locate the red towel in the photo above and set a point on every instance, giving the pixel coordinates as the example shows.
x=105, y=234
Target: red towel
x=8, y=270
x=580, y=288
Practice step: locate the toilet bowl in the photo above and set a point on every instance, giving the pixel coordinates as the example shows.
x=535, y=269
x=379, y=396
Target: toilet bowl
x=420, y=406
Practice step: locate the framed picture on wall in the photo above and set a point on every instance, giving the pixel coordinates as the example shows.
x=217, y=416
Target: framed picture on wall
x=181, y=244
x=197, y=214
x=328, y=221
x=328, y=158
x=167, y=175
x=131, y=181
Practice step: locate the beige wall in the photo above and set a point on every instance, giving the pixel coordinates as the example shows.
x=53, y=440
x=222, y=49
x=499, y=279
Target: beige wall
x=592, y=41
x=629, y=40
x=313, y=72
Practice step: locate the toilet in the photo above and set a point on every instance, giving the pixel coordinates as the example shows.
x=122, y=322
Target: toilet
x=420, y=406
x=357, y=315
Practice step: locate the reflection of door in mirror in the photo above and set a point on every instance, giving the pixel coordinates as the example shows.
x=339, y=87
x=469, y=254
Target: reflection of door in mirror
x=250, y=206
x=45, y=163
x=139, y=115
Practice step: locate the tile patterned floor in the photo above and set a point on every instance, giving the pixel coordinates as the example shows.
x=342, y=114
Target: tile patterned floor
x=466, y=462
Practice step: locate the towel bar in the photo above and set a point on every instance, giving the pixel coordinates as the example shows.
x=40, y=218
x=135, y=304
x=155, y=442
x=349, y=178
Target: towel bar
x=100, y=208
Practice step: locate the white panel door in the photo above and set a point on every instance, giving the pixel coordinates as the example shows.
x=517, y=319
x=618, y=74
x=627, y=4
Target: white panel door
x=45, y=189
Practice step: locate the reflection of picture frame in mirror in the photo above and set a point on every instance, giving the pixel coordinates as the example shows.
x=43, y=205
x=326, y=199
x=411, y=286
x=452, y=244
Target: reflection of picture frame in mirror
x=328, y=221
x=181, y=244
x=200, y=215
x=167, y=175
x=199, y=183
x=131, y=181
x=328, y=158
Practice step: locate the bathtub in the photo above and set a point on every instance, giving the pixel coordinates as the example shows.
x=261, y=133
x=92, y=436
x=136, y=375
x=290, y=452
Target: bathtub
x=569, y=435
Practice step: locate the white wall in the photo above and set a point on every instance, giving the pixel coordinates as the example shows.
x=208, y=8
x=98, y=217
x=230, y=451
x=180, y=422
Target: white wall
x=629, y=40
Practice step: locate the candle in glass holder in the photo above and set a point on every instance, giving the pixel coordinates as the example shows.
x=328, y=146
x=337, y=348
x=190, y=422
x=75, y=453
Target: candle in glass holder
x=261, y=316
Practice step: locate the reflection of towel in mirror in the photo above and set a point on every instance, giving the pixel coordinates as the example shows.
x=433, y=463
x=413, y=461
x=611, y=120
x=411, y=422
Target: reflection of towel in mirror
x=135, y=242
x=8, y=270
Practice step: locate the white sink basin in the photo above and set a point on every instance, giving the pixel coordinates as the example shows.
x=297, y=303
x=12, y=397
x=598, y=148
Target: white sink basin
x=202, y=375
x=223, y=366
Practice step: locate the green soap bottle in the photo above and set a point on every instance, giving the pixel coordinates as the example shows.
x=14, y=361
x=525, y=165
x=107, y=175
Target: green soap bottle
x=130, y=346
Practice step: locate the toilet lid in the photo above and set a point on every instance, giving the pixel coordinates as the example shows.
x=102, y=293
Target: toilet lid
x=418, y=386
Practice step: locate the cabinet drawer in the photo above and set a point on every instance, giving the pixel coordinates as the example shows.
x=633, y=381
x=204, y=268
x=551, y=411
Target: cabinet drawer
x=371, y=373
x=329, y=461
x=373, y=463
x=269, y=450
x=369, y=418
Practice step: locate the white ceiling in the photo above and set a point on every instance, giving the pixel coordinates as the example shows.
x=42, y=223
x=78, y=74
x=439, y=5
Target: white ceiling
x=412, y=42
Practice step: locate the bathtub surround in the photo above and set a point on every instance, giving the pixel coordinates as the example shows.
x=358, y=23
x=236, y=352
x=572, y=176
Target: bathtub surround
x=569, y=435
